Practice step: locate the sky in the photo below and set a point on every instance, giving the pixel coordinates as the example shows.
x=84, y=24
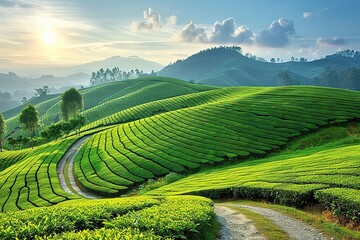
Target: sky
x=38, y=33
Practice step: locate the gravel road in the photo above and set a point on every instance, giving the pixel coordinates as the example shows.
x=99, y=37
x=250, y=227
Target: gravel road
x=69, y=157
x=295, y=229
x=235, y=226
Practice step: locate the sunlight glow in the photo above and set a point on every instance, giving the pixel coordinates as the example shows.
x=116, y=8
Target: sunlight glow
x=49, y=37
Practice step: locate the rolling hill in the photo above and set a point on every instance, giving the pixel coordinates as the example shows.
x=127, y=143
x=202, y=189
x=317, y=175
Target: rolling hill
x=228, y=67
x=104, y=100
x=295, y=145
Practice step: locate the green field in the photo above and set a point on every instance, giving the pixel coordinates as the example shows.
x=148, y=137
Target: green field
x=242, y=123
x=294, y=146
x=108, y=99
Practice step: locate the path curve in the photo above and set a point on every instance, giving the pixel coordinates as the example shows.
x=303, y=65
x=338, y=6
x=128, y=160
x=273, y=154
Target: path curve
x=235, y=226
x=69, y=157
x=294, y=228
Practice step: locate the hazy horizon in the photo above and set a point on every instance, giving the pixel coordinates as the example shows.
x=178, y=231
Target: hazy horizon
x=37, y=33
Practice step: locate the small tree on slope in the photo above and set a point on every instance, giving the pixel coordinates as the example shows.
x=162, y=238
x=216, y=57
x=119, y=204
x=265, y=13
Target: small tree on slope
x=2, y=129
x=29, y=117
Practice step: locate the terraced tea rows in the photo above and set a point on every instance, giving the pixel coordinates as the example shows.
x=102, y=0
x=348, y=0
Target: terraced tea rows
x=170, y=104
x=186, y=139
x=111, y=98
x=30, y=178
x=288, y=179
x=186, y=217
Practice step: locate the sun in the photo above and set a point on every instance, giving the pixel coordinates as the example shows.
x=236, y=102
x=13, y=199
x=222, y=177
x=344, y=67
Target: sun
x=49, y=37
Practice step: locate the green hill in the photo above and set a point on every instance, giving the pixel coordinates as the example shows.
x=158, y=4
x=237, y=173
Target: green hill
x=107, y=99
x=289, y=145
x=228, y=67
x=243, y=122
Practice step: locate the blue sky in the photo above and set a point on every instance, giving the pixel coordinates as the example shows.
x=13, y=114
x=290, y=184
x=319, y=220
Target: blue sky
x=37, y=33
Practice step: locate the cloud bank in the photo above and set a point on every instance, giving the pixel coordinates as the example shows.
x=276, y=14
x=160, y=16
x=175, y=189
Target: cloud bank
x=225, y=31
x=328, y=42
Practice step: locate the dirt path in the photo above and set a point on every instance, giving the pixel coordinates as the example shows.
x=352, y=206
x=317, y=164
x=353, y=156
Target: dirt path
x=294, y=228
x=67, y=161
x=235, y=226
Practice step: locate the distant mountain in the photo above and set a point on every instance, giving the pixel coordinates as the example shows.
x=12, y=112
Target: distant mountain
x=124, y=63
x=228, y=67
x=11, y=82
x=59, y=77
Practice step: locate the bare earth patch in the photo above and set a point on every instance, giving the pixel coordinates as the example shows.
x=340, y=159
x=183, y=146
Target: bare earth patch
x=235, y=226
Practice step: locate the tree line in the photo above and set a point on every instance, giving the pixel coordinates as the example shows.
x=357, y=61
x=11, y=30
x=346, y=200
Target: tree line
x=115, y=74
x=71, y=106
x=347, y=79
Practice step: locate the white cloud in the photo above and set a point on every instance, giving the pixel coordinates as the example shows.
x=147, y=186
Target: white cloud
x=171, y=21
x=277, y=35
x=192, y=33
x=307, y=15
x=225, y=31
x=152, y=21
x=329, y=42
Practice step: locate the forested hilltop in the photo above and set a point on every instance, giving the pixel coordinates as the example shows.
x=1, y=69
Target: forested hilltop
x=229, y=66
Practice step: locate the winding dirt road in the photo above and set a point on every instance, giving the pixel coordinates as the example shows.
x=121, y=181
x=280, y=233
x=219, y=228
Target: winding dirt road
x=66, y=166
x=295, y=229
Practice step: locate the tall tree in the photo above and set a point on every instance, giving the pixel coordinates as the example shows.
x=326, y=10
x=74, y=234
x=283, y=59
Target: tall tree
x=2, y=129
x=71, y=104
x=29, y=117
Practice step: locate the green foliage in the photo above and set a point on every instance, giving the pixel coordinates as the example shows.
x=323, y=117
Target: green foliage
x=343, y=202
x=42, y=91
x=58, y=219
x=119, y=234
x=29, y=117
x=122, y=218
x=295, y=179
x=30, y=177
x=2, y=129
x=224, y=126
x=175, y=217
x=71, y=104
x=284, y=79
x=152, y=184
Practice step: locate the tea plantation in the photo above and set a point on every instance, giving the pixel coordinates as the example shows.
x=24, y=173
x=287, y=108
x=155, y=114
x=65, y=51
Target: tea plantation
x=238, y=142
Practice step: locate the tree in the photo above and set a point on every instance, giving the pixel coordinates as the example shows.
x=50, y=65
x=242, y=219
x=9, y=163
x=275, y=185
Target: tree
x=352, y=78
x=24, y=100
x=285, y=79
x=2, y=129
x=29, y=117
x=42, y=91
x=329, y=78
x=71, y=104
x=272, y=60
x=78, y=123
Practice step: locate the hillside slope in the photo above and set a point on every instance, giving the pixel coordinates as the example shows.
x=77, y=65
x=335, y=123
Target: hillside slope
x=101, y=101
x=200, y=129
x=228, y=67
x=243, y=122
